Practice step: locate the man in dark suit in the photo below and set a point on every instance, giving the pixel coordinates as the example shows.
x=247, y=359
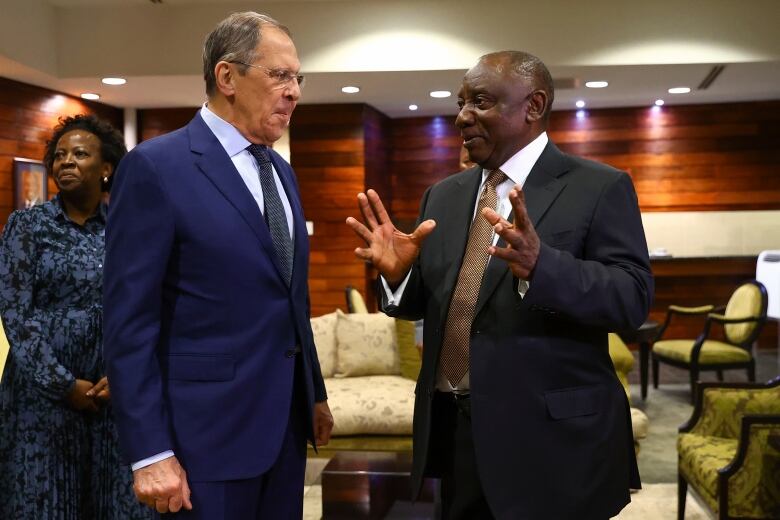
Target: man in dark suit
x=520, y=267
x=214, y=376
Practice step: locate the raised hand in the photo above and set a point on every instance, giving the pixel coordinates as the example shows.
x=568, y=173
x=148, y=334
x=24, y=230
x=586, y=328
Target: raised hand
x=523, y=245
x=389, y=250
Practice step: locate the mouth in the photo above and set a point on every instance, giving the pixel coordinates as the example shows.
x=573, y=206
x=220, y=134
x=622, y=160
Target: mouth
x=69, y=175
x=469, y=141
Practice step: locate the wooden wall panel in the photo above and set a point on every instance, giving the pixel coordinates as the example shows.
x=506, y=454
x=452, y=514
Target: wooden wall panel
x=328, y=148
x=158, y=121
x=27, y=116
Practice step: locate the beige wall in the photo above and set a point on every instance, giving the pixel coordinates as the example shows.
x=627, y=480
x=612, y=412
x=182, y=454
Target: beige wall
x=713, y=233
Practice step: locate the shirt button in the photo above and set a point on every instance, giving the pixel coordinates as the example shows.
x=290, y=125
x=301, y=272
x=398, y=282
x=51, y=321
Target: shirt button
x=100, y=266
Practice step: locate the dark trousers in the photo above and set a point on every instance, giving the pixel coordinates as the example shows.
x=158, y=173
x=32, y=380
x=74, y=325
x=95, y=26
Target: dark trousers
x=277, y=494
x=462, y=497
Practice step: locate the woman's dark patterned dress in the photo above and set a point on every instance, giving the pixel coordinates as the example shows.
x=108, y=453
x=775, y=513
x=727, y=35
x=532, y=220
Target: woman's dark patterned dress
x=56, y=462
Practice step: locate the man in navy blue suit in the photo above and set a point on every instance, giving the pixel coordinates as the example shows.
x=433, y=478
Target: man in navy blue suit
x=215, y=380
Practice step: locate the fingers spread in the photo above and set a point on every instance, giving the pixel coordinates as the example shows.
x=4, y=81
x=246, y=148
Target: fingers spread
x=365, y=209
x=359, y=229
x=378, y=207
x=517, y=199
x=424, y=229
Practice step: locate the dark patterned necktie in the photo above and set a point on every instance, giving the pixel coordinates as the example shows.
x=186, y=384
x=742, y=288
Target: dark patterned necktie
x=274, y=211
x=454, y=360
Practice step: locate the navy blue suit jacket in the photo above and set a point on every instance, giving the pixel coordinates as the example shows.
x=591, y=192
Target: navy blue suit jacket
x=550, y=420
x=199, y=324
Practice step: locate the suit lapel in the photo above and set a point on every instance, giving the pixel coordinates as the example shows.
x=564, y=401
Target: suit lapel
x=540, y=189
x=212, y=160
x=456, y=227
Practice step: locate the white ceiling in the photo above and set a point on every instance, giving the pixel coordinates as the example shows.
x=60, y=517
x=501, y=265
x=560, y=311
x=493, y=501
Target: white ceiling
x=399, y=50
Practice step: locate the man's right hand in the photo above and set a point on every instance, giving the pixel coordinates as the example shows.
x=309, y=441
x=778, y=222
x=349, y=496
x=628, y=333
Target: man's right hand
x=389, y=250
x=163, y=486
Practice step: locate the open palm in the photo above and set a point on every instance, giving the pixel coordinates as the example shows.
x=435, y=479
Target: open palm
x=388, y=249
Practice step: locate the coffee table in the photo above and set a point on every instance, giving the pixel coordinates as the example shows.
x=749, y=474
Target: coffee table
x=372, y=484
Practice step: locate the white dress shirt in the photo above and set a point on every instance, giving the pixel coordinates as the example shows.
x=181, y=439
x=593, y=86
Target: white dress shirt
x=235, y=145
x=516, y=169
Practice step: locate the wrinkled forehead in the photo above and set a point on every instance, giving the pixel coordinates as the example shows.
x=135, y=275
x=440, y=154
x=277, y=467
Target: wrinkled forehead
x=491, y=73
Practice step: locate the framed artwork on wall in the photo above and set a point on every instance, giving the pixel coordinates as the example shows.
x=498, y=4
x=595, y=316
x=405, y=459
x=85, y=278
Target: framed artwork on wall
x=30, y=183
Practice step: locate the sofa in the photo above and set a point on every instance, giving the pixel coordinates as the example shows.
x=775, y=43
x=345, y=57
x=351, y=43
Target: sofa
x=370, y=363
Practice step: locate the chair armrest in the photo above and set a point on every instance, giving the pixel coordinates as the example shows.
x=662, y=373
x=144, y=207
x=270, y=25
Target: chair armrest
x=756, y=433
x=720, y=318
x=724, y=392
x=702, y=309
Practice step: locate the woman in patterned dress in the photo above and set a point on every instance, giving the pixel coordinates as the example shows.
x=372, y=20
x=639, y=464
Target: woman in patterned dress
x=59, y=455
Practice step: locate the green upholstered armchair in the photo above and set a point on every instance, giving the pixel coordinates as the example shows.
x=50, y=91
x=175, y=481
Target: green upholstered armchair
x=729, y=450
x=742, y=320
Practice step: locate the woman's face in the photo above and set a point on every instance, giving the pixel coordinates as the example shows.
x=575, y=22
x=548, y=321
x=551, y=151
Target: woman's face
x=78, y=166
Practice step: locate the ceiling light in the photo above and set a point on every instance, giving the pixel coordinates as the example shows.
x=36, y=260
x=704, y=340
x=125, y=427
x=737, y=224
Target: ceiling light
x=91, y=96
x=349, y=89
x=413, y=107
x=580, y=114
x=114, y=81
x=679, y=90
x=596, y=84
x=441, y=93
x=580, y=104
x=659, y=102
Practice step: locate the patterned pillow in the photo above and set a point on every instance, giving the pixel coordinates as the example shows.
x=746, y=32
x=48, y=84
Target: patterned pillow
x=366, y=345
x=378, y=405
x=324, y=330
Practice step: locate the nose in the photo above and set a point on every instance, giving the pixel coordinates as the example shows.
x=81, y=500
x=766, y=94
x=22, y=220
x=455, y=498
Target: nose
x=465, y=117
x=293, y=91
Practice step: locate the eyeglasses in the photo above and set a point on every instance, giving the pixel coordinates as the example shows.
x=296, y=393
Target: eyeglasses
x=282, y=77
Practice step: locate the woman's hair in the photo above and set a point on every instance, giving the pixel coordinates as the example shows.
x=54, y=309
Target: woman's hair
x=112, y=144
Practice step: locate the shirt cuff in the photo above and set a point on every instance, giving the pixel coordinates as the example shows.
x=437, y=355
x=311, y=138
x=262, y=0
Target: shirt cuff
x=394, y=297
x=151, y=460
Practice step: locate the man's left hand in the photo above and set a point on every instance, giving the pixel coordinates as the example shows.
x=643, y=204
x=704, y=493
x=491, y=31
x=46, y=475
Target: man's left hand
x=523, y=244
x=323, y=423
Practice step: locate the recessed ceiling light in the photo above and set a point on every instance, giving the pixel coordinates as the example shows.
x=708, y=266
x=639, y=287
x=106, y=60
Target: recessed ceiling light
x=114, y=81
x=413, y=107
x=580, y=104
x=659, y=102
x=91, y=96
x=596, y=84
x=679, y=90
x=349, y=89
x=441, y=93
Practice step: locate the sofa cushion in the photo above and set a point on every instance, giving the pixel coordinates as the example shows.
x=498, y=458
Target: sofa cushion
x=700, y=458
x=366, y=344
x=639, y=423
x=381, y=405
x=324, y=330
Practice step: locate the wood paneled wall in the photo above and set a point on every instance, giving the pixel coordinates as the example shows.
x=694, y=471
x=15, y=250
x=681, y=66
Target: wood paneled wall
x=27, y=116
x=328, y=149
x=685, y=158
x=158, y=121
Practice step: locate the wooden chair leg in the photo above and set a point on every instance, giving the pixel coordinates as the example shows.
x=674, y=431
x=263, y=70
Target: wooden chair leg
x=694, y=373
x=751, y=371
x=655, y=372
x=720, y=375
x=682, y=492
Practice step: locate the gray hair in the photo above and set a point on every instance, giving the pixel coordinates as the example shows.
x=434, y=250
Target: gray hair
x=530, y=68
x=234, y=39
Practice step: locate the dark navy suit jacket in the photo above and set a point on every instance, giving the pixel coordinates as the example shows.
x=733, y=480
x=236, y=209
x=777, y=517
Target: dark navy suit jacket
x=550, y=420
x=199, y=325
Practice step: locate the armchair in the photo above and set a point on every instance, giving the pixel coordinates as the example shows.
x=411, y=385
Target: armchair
x=741, y=320
x=729, y=450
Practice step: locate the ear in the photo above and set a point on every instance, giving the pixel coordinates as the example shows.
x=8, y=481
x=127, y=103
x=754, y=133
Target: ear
x=536, y=106
x=225, y=76
x=108, y=170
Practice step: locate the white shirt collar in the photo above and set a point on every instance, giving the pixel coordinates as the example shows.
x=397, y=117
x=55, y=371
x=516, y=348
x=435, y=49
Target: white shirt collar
x=227, y=135
x=519, y=165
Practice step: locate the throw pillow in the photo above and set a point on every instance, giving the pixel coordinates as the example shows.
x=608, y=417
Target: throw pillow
x=324, y=330
x=366, y=345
